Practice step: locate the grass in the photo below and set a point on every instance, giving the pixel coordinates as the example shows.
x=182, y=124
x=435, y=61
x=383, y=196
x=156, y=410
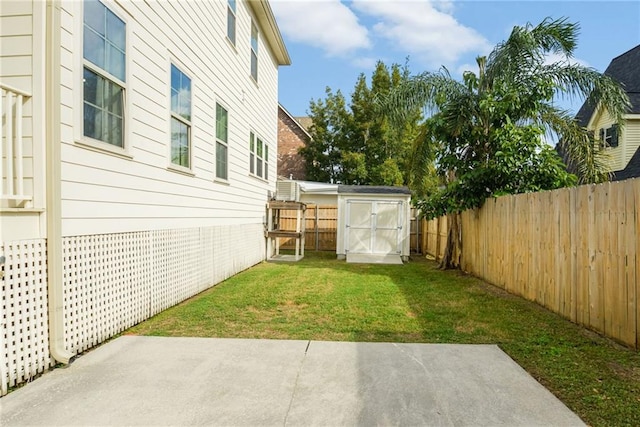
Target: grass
x=320, y=298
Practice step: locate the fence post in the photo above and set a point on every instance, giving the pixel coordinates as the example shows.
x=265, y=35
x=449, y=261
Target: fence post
x=437, y=249
x=317, y=240
x=418, y=241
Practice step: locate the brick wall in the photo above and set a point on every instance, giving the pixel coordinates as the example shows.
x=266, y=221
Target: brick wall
x=290, y=139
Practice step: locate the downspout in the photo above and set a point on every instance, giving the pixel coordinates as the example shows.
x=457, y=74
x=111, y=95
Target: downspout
x=53, y=179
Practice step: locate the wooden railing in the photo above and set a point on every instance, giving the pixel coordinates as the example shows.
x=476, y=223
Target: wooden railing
x=12, y=186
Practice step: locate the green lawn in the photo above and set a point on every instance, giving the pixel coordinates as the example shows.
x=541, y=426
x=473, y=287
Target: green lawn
x=320, y=298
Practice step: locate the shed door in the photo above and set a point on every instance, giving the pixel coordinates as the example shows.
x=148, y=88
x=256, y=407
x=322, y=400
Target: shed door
x=373, y=227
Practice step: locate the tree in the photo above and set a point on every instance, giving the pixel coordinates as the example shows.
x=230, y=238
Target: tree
x=355, y=144
x=487, y=129
x=329, y=138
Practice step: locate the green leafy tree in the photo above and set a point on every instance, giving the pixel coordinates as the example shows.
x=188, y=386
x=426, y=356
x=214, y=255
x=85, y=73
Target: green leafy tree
x=329, y=138
x=487, y=129
x=355, y=144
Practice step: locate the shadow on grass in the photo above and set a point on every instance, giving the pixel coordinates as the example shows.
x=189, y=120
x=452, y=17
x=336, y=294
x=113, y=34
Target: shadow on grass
x=597, y=378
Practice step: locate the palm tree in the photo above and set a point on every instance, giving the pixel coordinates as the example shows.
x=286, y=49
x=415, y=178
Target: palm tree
x=515, y=84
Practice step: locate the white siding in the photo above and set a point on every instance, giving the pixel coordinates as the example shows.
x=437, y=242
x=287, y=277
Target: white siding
x=631, y=138
x=22, y=58
x=628, y=141
x=16, y=54
x=106, y=193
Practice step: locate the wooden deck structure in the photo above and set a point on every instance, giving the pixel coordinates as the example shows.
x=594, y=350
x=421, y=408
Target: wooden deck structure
x=274, y=231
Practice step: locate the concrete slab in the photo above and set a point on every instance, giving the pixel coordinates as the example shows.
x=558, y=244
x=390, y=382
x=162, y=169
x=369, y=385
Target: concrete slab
x=420, y=384
x=200, y=381
x=374, y=259
x=164, y=381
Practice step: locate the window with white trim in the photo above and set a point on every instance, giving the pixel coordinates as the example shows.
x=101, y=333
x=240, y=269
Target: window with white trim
x=104, y=74
x=231, y=21
x=254, y=51
x=222, y=142
x=180, y=118
x=258, y=157
x=609, y=136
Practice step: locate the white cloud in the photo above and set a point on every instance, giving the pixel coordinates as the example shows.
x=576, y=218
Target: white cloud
x=365, y=63
x=325, y=24
x=445, y=6
x=425, y=29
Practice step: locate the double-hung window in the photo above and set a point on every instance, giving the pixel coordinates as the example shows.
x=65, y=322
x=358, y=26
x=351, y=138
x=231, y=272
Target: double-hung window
x=104, y=74
x=254, y=51
x=222, y=140
x=231, y=21
x=258, y=157
x=180, y=118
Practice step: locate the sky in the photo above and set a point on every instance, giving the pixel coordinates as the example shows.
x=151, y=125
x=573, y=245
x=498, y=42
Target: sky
x=331, y=42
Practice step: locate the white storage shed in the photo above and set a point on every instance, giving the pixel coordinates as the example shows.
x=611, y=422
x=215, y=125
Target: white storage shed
x=373, y=221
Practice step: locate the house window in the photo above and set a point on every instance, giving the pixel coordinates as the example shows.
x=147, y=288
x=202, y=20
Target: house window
x=231, y=21
x=254, y=51
x=222, y=135
x=609, y=137
x=104, y=74
x=258, y=157
x=180, y=118
x=252, y=153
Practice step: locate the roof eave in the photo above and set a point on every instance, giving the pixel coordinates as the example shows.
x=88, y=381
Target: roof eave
x=267, y=21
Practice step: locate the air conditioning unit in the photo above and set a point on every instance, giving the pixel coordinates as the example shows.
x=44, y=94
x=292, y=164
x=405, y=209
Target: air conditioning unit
x=287, y=191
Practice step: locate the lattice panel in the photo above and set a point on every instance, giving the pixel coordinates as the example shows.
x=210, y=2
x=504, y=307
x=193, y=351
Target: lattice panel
x=112, y=282
x=24, y=336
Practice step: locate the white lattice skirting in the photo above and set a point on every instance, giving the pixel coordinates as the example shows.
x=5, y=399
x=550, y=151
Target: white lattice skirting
x=111, y=282
x=24, y=328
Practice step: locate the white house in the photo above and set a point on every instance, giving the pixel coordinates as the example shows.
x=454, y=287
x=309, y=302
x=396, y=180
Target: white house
x=138, y=150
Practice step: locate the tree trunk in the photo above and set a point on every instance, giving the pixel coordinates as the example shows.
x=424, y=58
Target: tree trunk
x=451, y=257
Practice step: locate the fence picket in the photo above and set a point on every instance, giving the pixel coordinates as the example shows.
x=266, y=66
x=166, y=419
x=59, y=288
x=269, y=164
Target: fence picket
x=574, y=251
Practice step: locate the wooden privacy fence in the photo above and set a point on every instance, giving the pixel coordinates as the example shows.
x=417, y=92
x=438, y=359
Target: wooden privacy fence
x=434, y=237
x=575, y=251
x=322, y=225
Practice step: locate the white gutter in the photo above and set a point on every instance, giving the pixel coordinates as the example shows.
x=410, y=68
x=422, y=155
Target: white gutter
x=53, y=179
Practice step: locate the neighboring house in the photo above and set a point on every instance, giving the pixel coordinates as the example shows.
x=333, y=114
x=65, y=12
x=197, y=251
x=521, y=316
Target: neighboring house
x=292, y=136
x=138, y=141
x=623, y=145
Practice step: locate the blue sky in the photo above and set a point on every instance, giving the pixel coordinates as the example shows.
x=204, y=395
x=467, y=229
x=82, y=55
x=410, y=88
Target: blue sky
x=331, y=41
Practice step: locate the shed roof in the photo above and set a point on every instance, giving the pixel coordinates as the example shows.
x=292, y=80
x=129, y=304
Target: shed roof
x=317, y=187
x=372, y=189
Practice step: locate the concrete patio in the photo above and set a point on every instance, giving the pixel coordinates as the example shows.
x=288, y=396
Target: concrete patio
x=136, y=380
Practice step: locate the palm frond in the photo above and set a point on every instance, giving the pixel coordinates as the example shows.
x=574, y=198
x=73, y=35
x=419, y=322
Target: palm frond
x=591, y=162
x=527, y=47
x=577, y=81
x=424, y=91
